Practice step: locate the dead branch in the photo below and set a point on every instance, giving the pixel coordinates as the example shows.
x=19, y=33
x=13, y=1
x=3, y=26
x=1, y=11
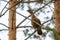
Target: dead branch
x=4, y=25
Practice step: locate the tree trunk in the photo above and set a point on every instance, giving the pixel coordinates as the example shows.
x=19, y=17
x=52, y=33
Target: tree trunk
x=57, y=16
x=12, y=20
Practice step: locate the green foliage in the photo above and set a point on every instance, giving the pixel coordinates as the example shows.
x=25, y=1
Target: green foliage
x=55, y=35
x=48, y=28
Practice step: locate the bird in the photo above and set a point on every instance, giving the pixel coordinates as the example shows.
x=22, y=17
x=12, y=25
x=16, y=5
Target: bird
x=35, y=26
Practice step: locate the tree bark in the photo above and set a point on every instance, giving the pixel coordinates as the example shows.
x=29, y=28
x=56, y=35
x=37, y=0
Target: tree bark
x=12, y=20
x=57, y=16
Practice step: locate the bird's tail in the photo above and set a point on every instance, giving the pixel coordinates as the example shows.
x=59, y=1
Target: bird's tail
x=39, y=31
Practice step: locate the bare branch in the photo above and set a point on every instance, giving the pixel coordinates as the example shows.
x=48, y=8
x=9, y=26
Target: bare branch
x=4, y=7
x=34, y=13
x=29, y=15
x=3, y=29
x=26, y=17
x=23, y=21
x=32, y=27
x=8, y=8
x=4, y=25
x=30, y=35
x=42, y=7
x=36, y=30
x=15, y=5
x=23, y=2
x=47, y=21
x=24, y=26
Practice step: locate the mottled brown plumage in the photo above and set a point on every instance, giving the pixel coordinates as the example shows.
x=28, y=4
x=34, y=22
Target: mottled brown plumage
x=35, y=26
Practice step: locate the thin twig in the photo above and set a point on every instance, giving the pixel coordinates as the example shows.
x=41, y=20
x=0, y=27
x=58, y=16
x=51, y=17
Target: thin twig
x=23, y=21
x=28, y=16
x=42, y=24
x=36, y=30
x=25, y=26
x=42, y=7
x=34, y=13
x=15, y=5
x=4, y=7
x=25, y=17
x=4, y=25
x=30, y=35
x=47, y=21
x=3, y=29
x=10, y=8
